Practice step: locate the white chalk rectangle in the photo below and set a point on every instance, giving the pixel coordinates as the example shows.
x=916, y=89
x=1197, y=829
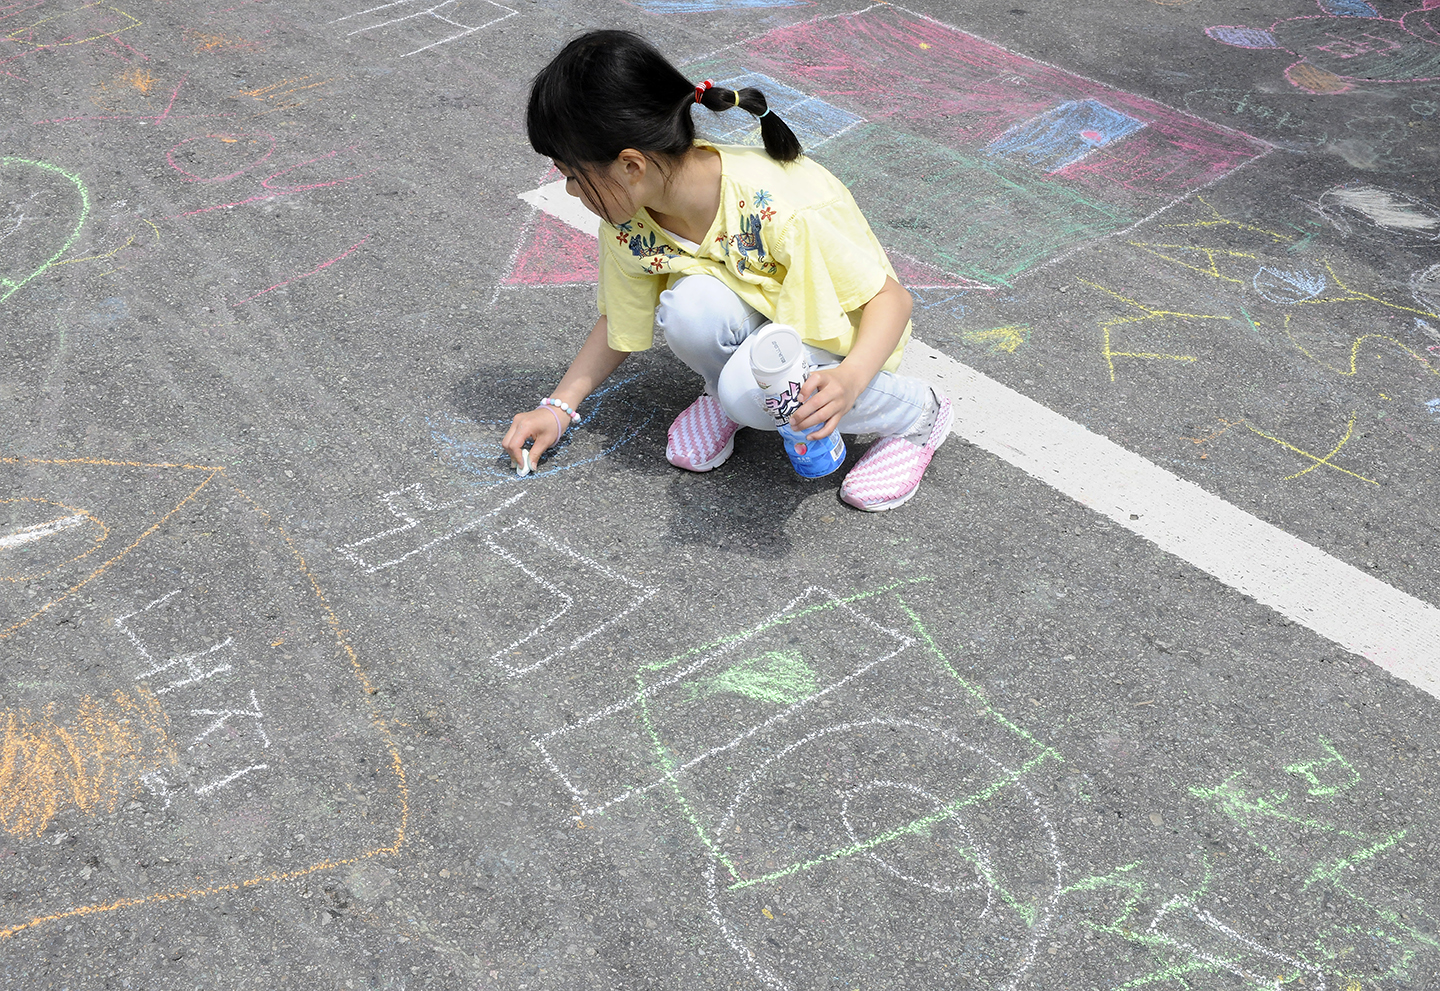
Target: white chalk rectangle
x=710, y=701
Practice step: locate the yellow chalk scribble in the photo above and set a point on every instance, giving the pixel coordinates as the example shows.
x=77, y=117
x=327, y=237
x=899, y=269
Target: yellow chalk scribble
x=1355, y=296
x=1218, y=219
x=1349, y=430
x=91, y=258
x=92, y=761
x=69, y=28
x=1355, y=352
x=1007, y=339
x=1211, y=268
x=1150, y=314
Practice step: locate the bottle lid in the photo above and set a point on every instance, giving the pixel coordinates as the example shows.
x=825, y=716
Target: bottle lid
x=776, y=348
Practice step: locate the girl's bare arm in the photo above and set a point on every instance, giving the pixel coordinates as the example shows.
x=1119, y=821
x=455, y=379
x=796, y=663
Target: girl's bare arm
x=830, y=393
x=592, y=366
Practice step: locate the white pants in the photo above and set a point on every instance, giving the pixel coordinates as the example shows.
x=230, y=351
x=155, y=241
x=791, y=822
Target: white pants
x=712, y=331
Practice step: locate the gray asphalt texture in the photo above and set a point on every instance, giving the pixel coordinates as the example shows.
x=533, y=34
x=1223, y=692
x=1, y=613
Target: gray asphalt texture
x=301, y=686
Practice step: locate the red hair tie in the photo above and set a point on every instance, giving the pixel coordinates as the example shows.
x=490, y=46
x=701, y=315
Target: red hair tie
x=701, y=90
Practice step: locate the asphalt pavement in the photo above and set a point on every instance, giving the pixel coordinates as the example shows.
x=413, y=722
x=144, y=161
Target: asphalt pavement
x=301, y=685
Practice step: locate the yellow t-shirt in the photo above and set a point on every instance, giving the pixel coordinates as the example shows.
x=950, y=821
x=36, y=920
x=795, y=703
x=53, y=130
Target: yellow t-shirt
x=788, y=239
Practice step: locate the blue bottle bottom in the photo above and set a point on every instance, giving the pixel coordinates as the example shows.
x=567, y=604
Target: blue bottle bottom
x=813, y=458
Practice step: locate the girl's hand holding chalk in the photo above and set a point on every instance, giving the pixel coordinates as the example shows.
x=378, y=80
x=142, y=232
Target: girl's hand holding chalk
x=539, y=426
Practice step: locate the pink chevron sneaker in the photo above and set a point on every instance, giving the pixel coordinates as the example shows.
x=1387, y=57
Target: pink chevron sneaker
x=890, y=472
x=702, y=437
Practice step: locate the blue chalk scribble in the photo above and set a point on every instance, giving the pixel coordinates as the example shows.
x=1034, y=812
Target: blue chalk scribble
x=1434, y=407
x=1242, y=37
x=1063, y=135
x=1279, y=286
x=813, y=120
x=487, y=462
x=1348, y=8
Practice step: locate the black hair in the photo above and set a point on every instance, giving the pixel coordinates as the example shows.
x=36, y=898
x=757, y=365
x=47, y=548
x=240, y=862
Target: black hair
x=611, y=90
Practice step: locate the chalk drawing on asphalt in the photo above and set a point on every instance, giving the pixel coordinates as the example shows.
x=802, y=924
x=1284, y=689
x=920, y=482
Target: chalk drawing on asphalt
x=65, y=26
x=49, y=221
x=397, y=544
x=1348, y=43
x=760, y=727
x=726, y=719
x=1381, y=214
x=37, y=536
x=612, y=418
x=1147, y=313
x=1425, y=288
x=1056, y=160
x=418, y=17
x=711, y=6
x=587, y=597
x=910, y=837
x=187, y=675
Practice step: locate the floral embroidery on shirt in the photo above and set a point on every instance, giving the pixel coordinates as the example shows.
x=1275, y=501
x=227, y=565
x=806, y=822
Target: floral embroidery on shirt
x=762, y=198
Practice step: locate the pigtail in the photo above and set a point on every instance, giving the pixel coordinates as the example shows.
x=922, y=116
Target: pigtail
x=780, y=142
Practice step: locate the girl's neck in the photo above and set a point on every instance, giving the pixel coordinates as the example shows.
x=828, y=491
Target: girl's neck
x=688, y=203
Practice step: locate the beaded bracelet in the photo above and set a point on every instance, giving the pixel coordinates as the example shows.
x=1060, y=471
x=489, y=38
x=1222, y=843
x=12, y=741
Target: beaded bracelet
x=559, y=404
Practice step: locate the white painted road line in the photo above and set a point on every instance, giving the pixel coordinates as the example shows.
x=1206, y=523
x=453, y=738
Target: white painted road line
x=1359, y=612
x=1341, y=603
x=39, y=531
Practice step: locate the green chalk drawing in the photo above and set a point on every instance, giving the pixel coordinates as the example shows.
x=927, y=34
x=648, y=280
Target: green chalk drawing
x=8, y=286
x=781, y=677
x=663, y=753
x=1332, y=767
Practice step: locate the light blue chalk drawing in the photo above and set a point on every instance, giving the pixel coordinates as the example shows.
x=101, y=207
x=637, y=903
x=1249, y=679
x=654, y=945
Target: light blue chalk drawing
x=457, y=445
x=1434, y=407
x=1063, y=135
x=1242, y=37
x=1281, y=286
x=707, y=6
x=812, y=119
x=1348, y=8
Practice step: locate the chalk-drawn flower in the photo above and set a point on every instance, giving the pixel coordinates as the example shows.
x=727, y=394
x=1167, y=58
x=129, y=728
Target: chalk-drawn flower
x=1349, y=42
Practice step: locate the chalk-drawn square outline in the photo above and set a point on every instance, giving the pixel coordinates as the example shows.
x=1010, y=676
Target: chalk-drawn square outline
x=431, y=11
x=786, y=101
x=785, y=615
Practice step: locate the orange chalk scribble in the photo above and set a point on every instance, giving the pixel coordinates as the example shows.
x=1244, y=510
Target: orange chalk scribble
x=91, y=762
x=139, y=79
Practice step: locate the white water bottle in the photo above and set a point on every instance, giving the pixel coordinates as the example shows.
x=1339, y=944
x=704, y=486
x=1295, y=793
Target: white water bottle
x=780, y=364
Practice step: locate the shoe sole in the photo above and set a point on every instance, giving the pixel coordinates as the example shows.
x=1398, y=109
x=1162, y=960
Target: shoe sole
x=714, y=462
x=885, y=507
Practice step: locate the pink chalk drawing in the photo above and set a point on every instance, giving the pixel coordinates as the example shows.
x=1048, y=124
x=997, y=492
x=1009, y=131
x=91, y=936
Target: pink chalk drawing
x=227, y=149
x=973, y=164
x=977, y=161
x=554, y=253
x=305, y=275
x=1349, y=43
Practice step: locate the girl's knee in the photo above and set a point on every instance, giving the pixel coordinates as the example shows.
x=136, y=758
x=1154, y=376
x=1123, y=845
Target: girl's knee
x=697, y=305
x=739, y=395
